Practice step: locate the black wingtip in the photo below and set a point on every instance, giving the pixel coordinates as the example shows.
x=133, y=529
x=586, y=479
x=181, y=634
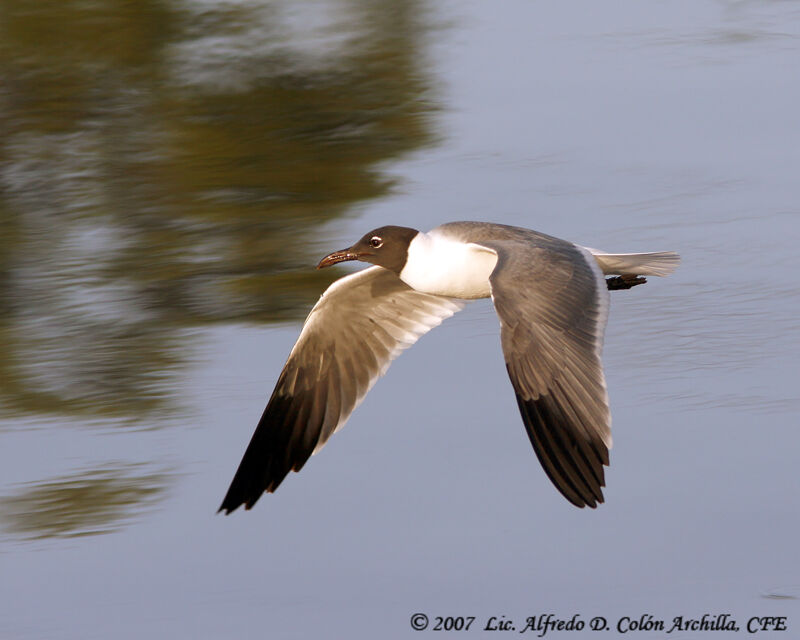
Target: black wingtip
x=271, y=454
x=592, y=503
x=232, y=501
x=227, y=507
x=574, y=467
x=236, y=496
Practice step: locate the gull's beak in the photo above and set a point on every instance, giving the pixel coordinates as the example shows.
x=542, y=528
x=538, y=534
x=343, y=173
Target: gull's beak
x=338, y=256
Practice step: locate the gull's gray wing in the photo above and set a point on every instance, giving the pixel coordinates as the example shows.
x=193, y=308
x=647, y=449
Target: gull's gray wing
x=552, y=302
x=360, y=324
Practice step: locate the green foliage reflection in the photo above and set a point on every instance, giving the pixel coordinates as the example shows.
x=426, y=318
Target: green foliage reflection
x=166, y=167
x=81, y=504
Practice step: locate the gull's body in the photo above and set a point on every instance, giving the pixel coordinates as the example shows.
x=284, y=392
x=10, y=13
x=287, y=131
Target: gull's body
x=552, y=301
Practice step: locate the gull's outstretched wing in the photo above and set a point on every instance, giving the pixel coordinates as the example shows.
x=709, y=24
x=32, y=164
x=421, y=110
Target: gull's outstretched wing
x=553, y=304
x=360, y=324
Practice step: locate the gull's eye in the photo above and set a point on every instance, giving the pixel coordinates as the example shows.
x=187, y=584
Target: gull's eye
x=375, y=242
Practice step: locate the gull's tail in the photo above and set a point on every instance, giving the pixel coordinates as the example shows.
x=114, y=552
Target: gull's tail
x=659, y=263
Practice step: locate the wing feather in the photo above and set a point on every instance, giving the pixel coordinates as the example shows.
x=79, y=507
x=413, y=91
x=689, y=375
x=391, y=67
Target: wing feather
x=552, y=303
x=360, y=324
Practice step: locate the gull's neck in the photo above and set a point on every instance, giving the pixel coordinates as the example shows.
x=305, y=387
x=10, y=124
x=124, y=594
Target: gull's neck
x=448, y=267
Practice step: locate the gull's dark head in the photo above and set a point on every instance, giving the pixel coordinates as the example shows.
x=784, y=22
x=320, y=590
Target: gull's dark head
x=386, y=247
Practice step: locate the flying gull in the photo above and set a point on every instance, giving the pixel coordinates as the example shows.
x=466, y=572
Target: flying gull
x=552, y=301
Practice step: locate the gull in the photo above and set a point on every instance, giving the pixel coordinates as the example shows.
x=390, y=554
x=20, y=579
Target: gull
x=550, y=295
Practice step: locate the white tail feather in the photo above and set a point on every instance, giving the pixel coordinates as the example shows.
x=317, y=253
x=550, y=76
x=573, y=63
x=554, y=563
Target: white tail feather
x=659, y=263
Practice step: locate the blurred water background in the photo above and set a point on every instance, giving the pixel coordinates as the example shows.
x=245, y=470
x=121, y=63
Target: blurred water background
x=170, y=173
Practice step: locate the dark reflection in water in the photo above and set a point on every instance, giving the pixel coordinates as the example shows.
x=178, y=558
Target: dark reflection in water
x=80, y=504
x=165, y=165
x=168, y=165
x=783, y=593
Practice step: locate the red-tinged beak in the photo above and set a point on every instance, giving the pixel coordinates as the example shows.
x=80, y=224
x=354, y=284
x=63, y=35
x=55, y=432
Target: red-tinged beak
x=338, y=256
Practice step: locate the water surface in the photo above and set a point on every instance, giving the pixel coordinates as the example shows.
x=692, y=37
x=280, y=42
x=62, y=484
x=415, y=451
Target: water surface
x=171, y=172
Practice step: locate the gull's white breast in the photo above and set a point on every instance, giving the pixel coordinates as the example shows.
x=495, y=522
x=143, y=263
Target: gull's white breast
x=447, y=267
